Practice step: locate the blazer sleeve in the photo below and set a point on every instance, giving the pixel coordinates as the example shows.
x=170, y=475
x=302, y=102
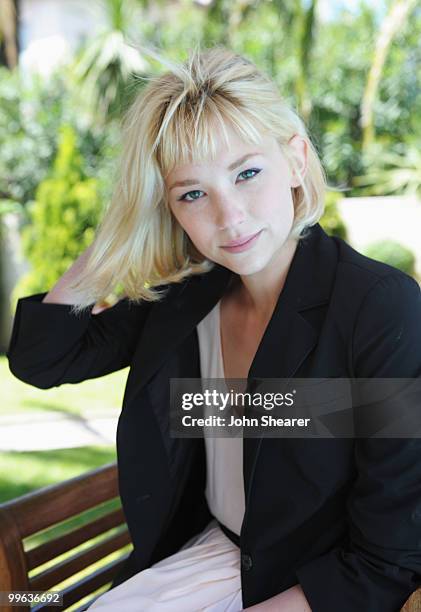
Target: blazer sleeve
x=381, y=566
x=50, y=346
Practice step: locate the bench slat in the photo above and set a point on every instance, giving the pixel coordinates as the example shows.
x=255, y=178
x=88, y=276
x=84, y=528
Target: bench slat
x=413, y=604
x=45, y=507
x=86, y=605
x=13, y=574
x=86, y=586
x=53, y=548
x=54, y=575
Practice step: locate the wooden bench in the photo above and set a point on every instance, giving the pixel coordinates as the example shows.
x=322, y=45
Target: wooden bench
x=46, y=507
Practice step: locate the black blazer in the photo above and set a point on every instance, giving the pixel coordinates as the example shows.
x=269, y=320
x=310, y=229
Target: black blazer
x=340, y=516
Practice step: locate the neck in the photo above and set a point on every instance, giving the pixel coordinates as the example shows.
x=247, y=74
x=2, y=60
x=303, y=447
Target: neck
x=259, y=292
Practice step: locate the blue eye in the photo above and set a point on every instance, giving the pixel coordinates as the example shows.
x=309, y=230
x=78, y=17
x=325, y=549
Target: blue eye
x=183, y=198
x=250, y=170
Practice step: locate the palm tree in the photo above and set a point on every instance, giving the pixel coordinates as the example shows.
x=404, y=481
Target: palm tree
x=392, y=24
x=107, y=65
x=307, y=22
x=392, y=172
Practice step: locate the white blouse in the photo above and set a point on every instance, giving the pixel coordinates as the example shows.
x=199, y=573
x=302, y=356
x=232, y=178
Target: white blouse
x=224, y=455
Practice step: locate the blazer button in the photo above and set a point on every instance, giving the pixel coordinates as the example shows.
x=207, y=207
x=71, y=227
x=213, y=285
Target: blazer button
x=246, y=561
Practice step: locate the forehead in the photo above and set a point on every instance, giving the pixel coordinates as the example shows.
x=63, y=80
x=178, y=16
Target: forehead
x=228, y=146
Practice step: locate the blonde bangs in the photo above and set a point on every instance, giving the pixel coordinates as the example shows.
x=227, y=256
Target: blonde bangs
x=193, y=133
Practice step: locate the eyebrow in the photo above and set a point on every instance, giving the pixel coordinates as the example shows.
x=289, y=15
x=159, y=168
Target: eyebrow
x=230, y=167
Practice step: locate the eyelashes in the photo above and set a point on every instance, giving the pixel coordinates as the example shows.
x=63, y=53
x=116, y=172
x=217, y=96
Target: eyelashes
x=183, y=198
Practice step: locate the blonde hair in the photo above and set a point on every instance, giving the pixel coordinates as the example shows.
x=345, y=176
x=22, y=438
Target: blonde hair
x=139, y=244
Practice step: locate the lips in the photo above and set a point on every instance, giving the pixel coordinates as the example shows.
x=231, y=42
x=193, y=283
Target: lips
x=240, y=241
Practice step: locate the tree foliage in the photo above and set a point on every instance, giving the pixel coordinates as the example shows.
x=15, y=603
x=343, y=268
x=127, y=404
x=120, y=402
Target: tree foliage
x=62, y=219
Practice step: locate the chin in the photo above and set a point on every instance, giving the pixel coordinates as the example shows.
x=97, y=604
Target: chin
x=246, y=267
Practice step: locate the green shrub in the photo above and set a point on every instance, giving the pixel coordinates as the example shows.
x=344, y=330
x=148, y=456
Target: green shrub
x=331, y=220
x=62, y=218
x=392, y=253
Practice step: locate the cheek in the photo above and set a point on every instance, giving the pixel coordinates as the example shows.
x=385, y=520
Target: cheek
x=275, y=203
x=182, y=219
x=198, y=234
x=195, y=228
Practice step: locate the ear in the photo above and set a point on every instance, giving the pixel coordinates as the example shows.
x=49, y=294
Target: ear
x=299, y=150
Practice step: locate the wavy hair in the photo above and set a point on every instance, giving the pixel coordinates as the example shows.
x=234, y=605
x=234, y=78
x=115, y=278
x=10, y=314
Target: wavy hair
x=139, y=244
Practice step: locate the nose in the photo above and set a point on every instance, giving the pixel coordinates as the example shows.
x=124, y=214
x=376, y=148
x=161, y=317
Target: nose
x=230, y=212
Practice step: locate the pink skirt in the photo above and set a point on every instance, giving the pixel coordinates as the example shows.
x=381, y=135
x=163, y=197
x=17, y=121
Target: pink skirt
x=203, y=576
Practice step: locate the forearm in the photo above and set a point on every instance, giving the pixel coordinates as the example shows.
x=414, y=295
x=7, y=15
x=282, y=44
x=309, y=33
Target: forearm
x=291, y=600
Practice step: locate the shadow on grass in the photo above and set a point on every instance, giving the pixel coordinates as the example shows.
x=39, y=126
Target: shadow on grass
x=49, y=407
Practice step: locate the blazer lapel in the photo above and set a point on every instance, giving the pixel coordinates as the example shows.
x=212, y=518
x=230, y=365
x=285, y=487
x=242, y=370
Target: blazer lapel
x=290, y=337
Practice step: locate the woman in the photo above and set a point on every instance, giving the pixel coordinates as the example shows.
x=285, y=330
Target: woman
x=213, y=234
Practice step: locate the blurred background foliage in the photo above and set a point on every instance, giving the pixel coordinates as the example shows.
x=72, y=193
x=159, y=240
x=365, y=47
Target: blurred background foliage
x=62, y=217
x=392, y=253
x=353, y=78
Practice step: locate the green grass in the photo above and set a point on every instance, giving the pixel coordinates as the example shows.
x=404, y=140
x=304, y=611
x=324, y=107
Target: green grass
x=97, y=395
x=22, y=472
